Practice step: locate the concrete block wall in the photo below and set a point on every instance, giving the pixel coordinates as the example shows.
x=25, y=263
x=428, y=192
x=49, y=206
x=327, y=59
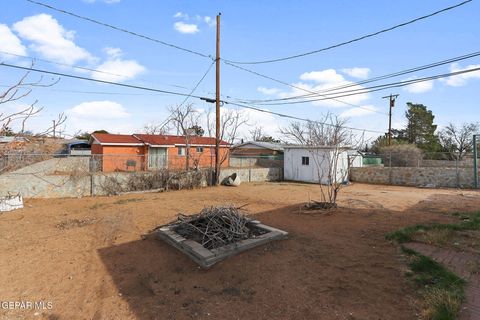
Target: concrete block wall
x=254, y=174
x=70, y=177
x=415, y=176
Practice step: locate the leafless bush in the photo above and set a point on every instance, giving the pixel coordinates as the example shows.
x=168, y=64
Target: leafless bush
x=162, y=179
x=401, y=155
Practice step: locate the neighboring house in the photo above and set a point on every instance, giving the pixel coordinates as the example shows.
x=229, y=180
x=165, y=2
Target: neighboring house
x=313, y=164
x=139, y=152
x=74, y=147
x=257, y=148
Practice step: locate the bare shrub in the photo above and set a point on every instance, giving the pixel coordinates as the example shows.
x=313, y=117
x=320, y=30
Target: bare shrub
x=401, y=155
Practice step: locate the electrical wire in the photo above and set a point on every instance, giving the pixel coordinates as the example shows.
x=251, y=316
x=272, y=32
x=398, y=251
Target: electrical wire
x=353, y=40
x=298, y=88
x=383, y=77
x=188, y=96
x=283, y=115
x=178, y=94
x=136, y=34
x=80, y=68
x=398, y=84
x=99, y=81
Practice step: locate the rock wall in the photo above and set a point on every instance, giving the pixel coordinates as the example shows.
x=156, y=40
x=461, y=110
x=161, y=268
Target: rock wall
x=412, y=176
x=70, y=177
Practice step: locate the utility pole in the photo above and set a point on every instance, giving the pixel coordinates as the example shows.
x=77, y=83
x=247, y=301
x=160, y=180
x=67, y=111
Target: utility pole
x=53, y=129
x=392, y=98
x=217, y=105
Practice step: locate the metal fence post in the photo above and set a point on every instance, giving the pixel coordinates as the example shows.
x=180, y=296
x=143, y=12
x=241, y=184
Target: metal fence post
x=475, y=162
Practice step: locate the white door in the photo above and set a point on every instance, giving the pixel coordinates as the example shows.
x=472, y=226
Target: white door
x=157, y=158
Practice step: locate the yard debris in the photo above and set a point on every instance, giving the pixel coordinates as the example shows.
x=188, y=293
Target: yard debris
x=11, y=202
x=214, y=227
x=319, y=205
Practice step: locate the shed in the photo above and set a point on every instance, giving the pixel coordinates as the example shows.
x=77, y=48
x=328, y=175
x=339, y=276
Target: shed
x=316, y=163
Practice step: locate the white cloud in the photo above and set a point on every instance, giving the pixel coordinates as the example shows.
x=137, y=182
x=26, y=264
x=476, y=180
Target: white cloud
x=98, y=109
x=10, y=43
x=419, y=87
x=181, y=15
x=324, y=76
x=360, y=73
x=210, y=21
x=113, y=52
x=50, y=39
x=117, y=69
x=186, y=28
x=461, y=79
x=268, y=91
x=325, y=82
x=358, y=112
x=95, y=115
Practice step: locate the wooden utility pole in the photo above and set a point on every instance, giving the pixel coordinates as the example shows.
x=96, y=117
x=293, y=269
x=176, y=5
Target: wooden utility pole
x=217, y=105
x=392, y=98
x=54, y=127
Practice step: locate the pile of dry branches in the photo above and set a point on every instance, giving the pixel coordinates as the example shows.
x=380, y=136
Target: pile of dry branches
x=215, y=226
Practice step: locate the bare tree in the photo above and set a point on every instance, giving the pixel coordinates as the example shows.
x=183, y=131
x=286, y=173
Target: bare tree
x=152, y=128
x=328, y=141
x=458, y=140
x=55, y=127
x=230, y=122
x=183, y=118
x=21, y=89
x=256, y=133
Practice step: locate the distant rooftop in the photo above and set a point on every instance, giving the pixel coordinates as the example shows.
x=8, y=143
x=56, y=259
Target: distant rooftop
x=261, y=144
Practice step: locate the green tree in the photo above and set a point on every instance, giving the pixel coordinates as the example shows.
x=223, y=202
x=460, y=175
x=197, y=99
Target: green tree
x=7, y=131
x=420, y=128
x=196, y=130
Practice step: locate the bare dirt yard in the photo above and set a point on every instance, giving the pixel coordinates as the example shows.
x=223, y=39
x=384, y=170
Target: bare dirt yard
x=87, y=257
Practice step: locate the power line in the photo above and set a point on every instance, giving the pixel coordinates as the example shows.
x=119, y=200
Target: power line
x=387, y=76
x=136, y=34
x=297, y=87
x=81, y=68
x=174, y=93
x=353, y=40
x=99, y=81
x=398, y=84
x=189, y=95
x=283, y=115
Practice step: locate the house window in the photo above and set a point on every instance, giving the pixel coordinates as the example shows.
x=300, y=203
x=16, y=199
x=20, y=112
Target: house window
x=199, y=149
x=181, y=151
x=305, y=161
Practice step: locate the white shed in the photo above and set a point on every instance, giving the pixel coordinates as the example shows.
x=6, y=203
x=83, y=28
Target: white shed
x=316, y=163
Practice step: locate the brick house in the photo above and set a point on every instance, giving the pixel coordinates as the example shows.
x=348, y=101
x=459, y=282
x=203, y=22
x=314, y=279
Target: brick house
x=142, y=152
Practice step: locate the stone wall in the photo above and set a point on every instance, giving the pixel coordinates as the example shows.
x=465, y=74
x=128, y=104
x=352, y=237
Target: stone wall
x=412, y=176
x=70, y=177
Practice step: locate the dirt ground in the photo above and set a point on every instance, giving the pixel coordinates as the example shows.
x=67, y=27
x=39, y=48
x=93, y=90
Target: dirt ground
x=87, y=257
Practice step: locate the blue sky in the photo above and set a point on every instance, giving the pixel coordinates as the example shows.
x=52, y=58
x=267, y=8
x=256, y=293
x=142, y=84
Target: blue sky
x=251, y=30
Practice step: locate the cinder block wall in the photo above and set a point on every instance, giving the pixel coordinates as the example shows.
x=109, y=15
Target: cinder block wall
x=415, y=176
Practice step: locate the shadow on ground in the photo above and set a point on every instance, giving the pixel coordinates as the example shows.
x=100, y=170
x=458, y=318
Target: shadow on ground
x=326, y=269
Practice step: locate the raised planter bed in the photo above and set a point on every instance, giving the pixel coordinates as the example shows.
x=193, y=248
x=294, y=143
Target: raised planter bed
x=208, y=257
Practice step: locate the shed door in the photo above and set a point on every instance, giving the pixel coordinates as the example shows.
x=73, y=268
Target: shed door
x=157, y=158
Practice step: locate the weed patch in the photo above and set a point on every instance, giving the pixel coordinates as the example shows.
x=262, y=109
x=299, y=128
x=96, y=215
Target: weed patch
x=442, y=291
